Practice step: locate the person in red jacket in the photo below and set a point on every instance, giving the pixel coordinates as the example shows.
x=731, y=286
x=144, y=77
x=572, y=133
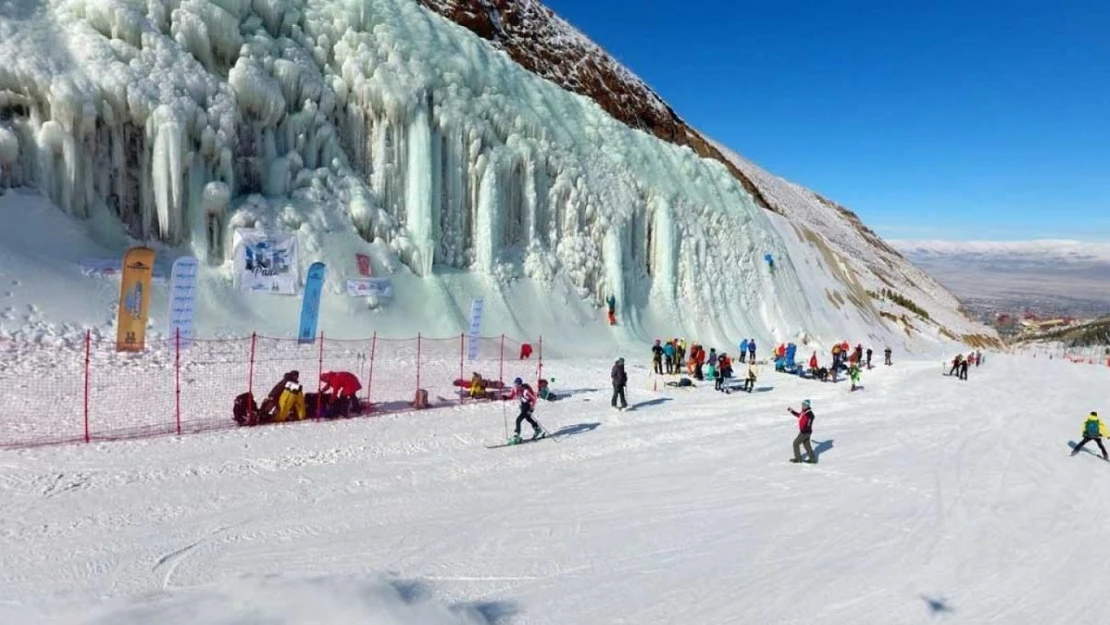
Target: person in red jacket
x=805, y=430
x=344, y=387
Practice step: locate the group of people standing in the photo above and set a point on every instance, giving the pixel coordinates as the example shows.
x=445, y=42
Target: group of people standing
x=671, y=358
x=961, y=363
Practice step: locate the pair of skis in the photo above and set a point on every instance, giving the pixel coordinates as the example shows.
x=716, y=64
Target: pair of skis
x=544, y=435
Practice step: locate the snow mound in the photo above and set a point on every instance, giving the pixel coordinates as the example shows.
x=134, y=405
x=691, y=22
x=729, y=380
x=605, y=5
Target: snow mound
x=282, y=600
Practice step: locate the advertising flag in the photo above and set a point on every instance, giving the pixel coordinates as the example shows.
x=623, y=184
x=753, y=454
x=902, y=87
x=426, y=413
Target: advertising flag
x=134, y=299
x=476, y=306
x=310, y=306
x=183, y=299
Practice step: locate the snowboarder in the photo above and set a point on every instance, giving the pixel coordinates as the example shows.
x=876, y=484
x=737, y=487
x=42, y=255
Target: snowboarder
x=657, y=357
x=886, y=356
x=805, y=430
x=868, y=357
x=751, y=350
x=620, y=380
x=527, y=397
x=1093, y=430
x=743, y=350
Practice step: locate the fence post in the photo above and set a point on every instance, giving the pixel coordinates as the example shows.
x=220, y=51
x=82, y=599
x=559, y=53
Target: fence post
x=417, y=364
x=370, y=380
x=177, y=377
x=462, y=376
x=539, y=364
x=88, y=350
x=320, y=381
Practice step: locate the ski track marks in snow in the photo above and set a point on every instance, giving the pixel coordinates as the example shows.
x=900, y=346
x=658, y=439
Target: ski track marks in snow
x=933, y=497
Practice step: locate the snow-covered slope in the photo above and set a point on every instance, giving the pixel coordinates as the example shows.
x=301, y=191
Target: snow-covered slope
x=379, y=127
x=935, y=500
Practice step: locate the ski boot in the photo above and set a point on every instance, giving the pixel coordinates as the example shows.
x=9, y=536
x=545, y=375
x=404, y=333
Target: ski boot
x=537, y=434
x=515, y=439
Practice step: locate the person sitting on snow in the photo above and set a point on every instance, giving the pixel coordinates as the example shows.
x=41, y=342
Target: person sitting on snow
x=1093, y=430
x=344, y=387
x=290, y=397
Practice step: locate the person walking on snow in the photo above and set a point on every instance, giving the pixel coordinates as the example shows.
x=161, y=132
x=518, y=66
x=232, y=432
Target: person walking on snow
x=868, y=357
x=620, y=380
x=963, y=369
x=527, y=397
x=1093, y=430
x=668, y=356
x=743, y=350
x=854, y=373
x=749, y=381
x=955, y=370
x=751, y=350
x=886, y=357
x=657, y=357
x=805, y=430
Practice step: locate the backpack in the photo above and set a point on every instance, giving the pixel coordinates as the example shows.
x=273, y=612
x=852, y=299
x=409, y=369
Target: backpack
x=1091, y=429
x=244, y=409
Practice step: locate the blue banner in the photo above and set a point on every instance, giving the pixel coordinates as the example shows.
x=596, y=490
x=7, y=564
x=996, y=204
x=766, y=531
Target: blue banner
x=310, y=306
x=476, y=307
x=183, y=299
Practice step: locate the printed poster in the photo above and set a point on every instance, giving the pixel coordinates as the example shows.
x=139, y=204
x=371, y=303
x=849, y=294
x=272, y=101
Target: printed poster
x=183, y=300
x=266, y=262
x=310, y=304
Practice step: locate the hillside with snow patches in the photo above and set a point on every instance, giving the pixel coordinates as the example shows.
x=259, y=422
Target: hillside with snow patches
x=379, y=127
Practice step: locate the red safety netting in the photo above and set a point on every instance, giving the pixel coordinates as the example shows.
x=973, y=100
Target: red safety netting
x=74, y=391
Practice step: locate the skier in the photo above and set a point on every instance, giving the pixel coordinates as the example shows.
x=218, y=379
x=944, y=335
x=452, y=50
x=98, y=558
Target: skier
x=527, y=398
x=657, y=357
x=805, y=430
x=344, y=387
x=868, y=357
x=743, y=350
x=751, y=350
x=853, y=373
x=886, y=356
x=620, y=380
x=1093, y=430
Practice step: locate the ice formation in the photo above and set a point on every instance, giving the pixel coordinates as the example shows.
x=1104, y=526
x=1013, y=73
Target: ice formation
x=189, y=118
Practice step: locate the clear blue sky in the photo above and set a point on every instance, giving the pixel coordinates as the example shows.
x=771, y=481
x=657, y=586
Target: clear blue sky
x=932, y=119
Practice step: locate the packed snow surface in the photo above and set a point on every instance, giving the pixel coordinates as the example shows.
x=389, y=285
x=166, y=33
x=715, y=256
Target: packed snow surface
x=933, y=499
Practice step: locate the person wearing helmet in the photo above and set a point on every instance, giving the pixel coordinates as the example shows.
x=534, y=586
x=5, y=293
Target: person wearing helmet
x=657, y=357
x=527, y=398
x=620, y=380
x=1093, y=430
x=805, y=430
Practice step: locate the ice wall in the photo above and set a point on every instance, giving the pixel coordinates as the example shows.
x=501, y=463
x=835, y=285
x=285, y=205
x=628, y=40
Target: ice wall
x=405, y=126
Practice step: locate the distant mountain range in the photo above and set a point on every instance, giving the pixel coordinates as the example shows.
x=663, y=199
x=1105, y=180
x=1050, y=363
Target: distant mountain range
x=1019, y=274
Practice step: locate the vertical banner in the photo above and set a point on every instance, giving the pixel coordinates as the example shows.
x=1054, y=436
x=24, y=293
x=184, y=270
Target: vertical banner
x=364, y=268
x=134, y=299
x=310, y=305
x=476, y=306
x=183, y=299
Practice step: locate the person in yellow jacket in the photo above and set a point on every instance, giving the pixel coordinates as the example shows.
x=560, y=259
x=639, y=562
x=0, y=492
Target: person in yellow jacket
x=1093, y=430
x=291, y=399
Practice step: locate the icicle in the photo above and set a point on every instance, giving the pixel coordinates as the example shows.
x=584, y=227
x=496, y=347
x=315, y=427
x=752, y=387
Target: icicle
x=167, y=172
x=419, y=193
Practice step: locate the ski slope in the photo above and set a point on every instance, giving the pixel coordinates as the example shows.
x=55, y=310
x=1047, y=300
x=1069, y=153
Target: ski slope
x=934, y=499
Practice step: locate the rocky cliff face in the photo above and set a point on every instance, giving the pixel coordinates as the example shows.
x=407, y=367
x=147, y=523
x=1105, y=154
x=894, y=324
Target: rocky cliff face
x=545, y=44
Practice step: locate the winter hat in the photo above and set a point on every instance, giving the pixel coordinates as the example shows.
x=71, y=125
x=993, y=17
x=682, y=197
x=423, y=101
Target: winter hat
x=805, y=403
x=518, y=382
x=1094, y=414
x=620, y=361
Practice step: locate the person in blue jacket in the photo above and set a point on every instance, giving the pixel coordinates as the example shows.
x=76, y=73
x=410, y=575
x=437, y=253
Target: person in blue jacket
x=668, y=356
x=743, y=350
x=751, y=350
